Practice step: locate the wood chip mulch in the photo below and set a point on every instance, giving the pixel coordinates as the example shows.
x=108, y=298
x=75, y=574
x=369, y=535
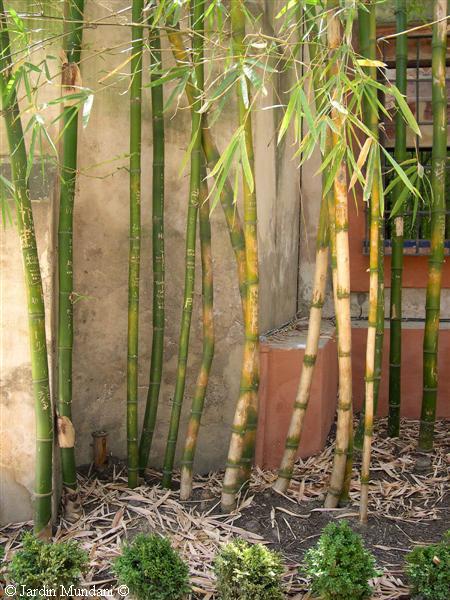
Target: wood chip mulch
x=113, y=513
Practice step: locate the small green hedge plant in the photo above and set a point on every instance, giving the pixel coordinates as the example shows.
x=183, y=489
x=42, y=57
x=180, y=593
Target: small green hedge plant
x=339, y=566
x=248, y=572
x=428, y=570
x=151, y=568
x=39, y=565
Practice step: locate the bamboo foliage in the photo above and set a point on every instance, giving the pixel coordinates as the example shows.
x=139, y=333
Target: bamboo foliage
x=243, y=434
x=198, y=400
x=157, y=250
x=433, y=295
x=33, y=285
x=395, y=351
x=135, y=241
x=342, y=286
x=194, y=193
x=70, y=79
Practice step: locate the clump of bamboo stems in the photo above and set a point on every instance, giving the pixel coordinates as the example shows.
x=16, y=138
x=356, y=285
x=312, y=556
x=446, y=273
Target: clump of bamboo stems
x=395, y=351
x=194, y=192
x=135, y=242
x=243, y=434
x=157, y=250
x=208, y=343
x=433, y=296
x=33, y=285
x=367, y=28
x=70, y=79
x=342, y=287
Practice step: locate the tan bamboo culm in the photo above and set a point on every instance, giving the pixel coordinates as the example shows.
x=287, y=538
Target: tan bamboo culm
x=342, y=291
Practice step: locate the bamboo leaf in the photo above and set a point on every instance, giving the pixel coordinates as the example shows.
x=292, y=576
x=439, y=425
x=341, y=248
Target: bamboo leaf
x=402, y=198
x=361, y=160
x=367, y=62
x=246, y=163
x=244, y=91
x=288, y=114
x=400, y=172
x=87, y=107
x=405, y=110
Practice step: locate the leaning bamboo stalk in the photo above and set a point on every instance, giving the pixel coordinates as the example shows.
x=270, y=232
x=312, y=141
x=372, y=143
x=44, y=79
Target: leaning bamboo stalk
x=433, y=296
x=194, y=193
x=135, y=242
x=310, y=356
x=343, y=289
x=315, y=318
x=395, y=349
x=208, y=343
x=245, y=418
x=151, y=409
x=66, y=436
x=33, y=286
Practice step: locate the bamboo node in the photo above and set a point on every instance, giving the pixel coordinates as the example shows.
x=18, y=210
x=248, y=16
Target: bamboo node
x=309, y=360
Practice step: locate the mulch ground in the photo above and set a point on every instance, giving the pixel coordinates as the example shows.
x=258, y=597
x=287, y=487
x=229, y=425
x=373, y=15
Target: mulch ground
x=407, y=508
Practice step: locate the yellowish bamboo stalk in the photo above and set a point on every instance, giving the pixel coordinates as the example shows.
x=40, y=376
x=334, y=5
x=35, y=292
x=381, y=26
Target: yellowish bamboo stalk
x=342, y=291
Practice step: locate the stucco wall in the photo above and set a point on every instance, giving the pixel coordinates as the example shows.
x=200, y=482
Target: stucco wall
x=101, y=271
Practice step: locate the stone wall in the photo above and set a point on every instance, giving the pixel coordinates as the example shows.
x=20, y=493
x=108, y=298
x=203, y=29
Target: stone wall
x=101, y=271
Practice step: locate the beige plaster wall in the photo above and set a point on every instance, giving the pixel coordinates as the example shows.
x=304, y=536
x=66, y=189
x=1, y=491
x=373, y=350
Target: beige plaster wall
x=101, y=270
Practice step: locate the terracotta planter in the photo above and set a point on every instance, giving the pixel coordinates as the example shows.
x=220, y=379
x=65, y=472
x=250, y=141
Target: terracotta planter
x=412, y=340
x=281, y=363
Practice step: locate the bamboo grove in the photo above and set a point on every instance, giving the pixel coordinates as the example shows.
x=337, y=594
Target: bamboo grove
x=335, y=110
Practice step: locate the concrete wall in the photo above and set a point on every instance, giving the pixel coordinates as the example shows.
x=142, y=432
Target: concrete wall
x=101, y=270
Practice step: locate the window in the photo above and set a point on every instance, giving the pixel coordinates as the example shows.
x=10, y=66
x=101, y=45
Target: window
x=416, y=226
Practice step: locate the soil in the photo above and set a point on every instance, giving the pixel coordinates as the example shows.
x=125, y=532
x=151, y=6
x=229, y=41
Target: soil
x=407, y=507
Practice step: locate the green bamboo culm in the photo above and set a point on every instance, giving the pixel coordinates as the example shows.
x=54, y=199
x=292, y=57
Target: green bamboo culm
x=33, y=286
x=212, y=155
x=395, y=351
x=197, y=17
x=135, y=241
x=433, y=296
x=157, y=94
x=198, y=400
x=243, y=435
x=69, y=139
